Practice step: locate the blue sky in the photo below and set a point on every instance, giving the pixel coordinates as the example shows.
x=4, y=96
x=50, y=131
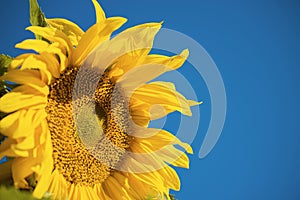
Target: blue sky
x=256, y=46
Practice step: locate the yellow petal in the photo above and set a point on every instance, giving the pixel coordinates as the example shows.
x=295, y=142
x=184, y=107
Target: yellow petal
x=71, y=191
x=5, y=148
x=52, y=63
x=18, y=124
x=153, y=66
x=94, y=36
x=114, y=189
x=31, y=78
x=127, y=42
x=173, y=62
x=140, y=118
x=72, y=30
x=46, y=169
x=142, y=189
x=74, y=193
x=53, y=35
x=150, y=179
x=150, y=159
x=174, y=156
x=22, y=168
x=31, y=44
x=46, y=63
x=157, y=141
x=123, y=180
x=126, y=62
x=17, y=100
x=90, y=193
x=194, y=103
x=34, y=138
x=56, y=50
x=170, y=174
x=58, y=186
x=157, y=99
x=34, y=62
x=18, y=61
x=100, y=15
x=101, y=192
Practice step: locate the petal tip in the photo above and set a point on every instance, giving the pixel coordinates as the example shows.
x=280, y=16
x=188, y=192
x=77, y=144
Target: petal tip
x=185, y=53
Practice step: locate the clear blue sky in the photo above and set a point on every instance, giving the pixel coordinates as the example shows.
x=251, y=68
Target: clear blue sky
x=256, y=46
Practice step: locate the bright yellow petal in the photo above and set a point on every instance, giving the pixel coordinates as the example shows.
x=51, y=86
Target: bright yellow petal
x=153, y=67
x=157, y=99
x=46, y=63
x=53, y=35
x=95, y=35
x=157, y=141
x=135, y=41
x=150, y=179
x=122, y=179
x=114, y=189
x=58, y=186
x=126, y=62
x=32, y=44
x=150, y=160
x=140, y=118
x=170, y=174
x=45, y=169
x=22, y=168
x=142, y=189
x=34, y=62
x=101, y=192
x=17, y=99
x=56, y=50
x=16, y=125
x=52, y=63
x=173, y=62
x=5, y=148
x=72, y=30
x=31, y=141
x=100, y=15
x=18, y=61
x=74, y=194
x=174, y=156
x=71, y=191
x=31, y=78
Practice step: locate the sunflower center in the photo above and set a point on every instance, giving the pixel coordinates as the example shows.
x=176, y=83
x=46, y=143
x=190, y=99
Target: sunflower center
x=88, y=132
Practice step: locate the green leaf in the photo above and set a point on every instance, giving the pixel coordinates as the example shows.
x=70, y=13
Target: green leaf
x=13, y=193
x=37, y=17
x=4, y=63
x=5, y=60
x=172, y=197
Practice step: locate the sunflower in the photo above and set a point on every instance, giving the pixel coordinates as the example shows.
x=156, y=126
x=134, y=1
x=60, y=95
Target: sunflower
x=77, y=122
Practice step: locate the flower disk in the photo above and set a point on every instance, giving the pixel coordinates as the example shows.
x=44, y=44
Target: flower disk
x=84, y=163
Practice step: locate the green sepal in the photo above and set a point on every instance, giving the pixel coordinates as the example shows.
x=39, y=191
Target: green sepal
x=172, y=197
x=5, y=60
x=37, y=17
